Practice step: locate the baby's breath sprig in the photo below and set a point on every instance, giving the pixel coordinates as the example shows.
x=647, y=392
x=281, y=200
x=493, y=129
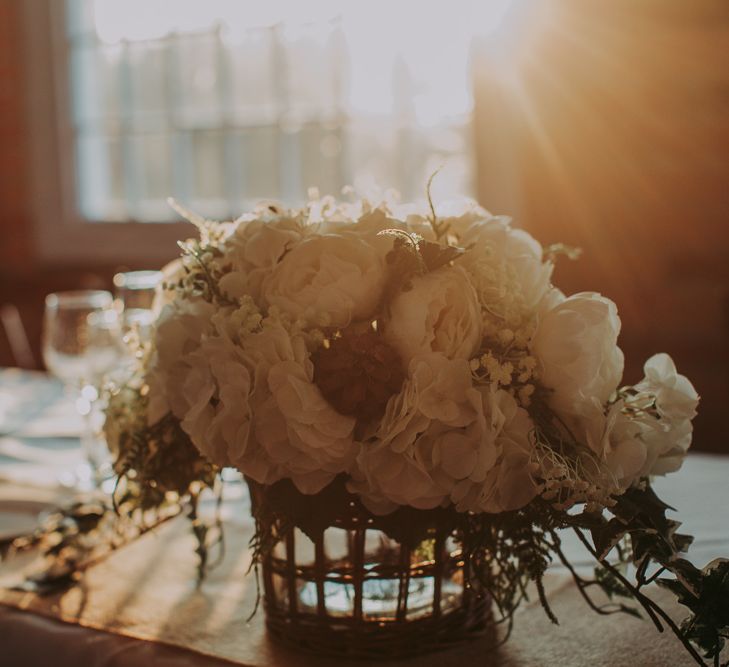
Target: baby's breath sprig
x=204, y=278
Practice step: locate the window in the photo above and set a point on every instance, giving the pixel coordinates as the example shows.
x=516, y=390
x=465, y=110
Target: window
x=222, y=103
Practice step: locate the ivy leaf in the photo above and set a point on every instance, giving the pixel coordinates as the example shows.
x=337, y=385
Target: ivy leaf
x=435, y=255
x=707, y=598
x=641, y=502
x=652, y=534
x=606, y=536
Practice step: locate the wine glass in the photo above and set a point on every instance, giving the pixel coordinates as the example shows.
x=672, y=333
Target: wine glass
x=81, y=345
x=135, y=292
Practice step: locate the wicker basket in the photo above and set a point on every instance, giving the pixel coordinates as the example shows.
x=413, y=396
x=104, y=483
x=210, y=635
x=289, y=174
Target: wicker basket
x=341, y=581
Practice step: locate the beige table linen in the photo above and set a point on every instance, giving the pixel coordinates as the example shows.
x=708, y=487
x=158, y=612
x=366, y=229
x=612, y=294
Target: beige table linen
x=147, y=591
x=141, y=606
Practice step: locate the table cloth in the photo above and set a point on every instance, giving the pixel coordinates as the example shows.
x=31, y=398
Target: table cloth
x=141, y=606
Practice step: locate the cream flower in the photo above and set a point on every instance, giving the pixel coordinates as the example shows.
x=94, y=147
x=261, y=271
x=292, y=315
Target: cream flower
x=487, y=466
x=617, y=455
x=506, y=267
x=668, y=437
x=460, y=216
x=254, y=249
x=217, y=388
x=443, y=387
x=629, y=440
x=202, y=375
x=246, y=398
x=440, y=313
x=297, y=433
x=397, y=468
x=472, y=448
x=262, y=242
x=179, y=330
x=329, y=280
x=575, y=344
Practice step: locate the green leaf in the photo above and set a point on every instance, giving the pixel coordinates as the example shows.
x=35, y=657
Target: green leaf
x=435, y=255
x=606, y=536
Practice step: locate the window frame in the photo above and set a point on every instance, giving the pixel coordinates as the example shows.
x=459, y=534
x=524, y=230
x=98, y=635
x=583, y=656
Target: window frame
x=61, y=234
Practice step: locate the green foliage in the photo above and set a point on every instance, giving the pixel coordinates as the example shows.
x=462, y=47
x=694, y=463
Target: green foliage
x=73, y=537
x=705, y=593
x=156, y=461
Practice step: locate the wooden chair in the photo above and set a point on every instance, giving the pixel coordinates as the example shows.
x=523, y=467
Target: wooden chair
x=20, y=348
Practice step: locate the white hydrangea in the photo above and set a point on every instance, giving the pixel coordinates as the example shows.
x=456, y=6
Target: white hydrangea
x=296, y=433
x=443, y=440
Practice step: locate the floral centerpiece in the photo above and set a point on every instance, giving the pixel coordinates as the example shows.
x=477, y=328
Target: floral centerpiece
x=372, y=367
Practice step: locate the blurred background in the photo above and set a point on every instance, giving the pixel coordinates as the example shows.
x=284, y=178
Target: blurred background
x=604, y=125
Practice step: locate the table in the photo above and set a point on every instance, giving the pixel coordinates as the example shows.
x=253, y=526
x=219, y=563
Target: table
x=146, y=591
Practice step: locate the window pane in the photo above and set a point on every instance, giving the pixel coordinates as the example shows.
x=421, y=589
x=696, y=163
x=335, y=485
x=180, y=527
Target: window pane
x=219, y=104
x=96, y=84
x=198, y=81
x=209, y=195
x=311, y=64
x=79, y=18
x=149, y=177
x=258, y=148
x=252, y=77
x=147, y=85
x=319, y=156
x=100, y=176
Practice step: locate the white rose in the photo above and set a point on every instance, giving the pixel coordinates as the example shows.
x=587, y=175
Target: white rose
x=669, y=436
x=329, y=280
x=575, y=344
x=254, y=249
x=440, y=313
x=297, y=434
x=506, y=267
x=262, y=242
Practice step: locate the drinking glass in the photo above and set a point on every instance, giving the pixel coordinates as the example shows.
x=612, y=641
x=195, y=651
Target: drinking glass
x=81, y=345
x=135, y=292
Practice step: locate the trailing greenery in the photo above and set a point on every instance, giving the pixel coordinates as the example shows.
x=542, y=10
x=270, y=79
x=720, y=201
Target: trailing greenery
x=516, y=548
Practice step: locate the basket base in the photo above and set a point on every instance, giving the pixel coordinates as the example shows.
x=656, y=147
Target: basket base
x=385, y=639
